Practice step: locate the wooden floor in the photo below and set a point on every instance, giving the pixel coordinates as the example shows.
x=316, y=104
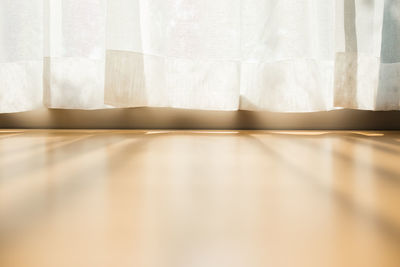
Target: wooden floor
x=199, y=199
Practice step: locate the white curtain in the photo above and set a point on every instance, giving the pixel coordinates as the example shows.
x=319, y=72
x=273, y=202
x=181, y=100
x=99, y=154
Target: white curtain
x=277, y=55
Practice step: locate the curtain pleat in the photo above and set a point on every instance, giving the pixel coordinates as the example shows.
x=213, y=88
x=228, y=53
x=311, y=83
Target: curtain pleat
x=276, y=55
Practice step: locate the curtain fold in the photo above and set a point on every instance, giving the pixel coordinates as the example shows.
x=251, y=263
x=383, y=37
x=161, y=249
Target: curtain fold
x=276, y=55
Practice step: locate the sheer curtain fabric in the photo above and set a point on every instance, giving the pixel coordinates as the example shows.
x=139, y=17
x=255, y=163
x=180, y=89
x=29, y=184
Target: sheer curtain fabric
x=276, y=55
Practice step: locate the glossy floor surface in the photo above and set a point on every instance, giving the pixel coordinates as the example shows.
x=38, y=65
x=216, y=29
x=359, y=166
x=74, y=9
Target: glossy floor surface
x=199, y=198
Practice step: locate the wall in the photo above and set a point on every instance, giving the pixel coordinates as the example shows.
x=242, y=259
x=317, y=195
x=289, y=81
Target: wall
x=151, y=118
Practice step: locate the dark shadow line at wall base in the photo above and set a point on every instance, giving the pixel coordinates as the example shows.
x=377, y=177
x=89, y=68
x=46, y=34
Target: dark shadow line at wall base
x=167, y=118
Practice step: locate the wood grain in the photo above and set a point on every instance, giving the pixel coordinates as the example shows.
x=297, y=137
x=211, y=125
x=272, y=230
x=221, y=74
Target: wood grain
x=199, y=198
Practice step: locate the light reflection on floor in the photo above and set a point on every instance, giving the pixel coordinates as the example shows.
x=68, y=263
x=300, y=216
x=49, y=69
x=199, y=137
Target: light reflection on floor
x=199, y=198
